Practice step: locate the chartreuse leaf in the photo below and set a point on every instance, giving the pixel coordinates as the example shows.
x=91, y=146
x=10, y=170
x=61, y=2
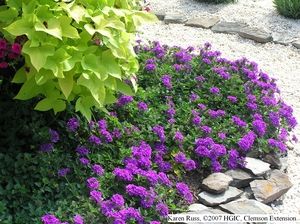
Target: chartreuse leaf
x=28, y=90
x=83, y=105
x=77, y=13
x=112, y=67
x=43, y=76
x=52, y=27
x=21, y=26
x=38, y=55
x=66, y=84
x=44, y=105
x=14, y=4
x=124, y=88
x=20, y=76
x=68, y=30
x=7, y=14
x=91, y=62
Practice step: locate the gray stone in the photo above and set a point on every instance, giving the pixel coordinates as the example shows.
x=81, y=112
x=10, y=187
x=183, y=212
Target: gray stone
x=216, y=199
x=248, y=193
x=203, y=22
x=228, y=27
x=281, y=38
x=246, y=206
x=273, y=159
x=269, y=190
x=174, y=18
x=256, y=166
x=197, y=207
x=284, y=162
x=255, y=34
x=160, y=14
x=297, y=43
x=216, y=183
x=240, y=178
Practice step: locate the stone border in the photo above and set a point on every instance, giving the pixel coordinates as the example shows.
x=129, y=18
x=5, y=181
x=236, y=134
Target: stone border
x=216, y=25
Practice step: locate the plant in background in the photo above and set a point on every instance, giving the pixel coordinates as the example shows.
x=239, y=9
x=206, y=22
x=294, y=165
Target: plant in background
x=74, y=51
x=288, y=8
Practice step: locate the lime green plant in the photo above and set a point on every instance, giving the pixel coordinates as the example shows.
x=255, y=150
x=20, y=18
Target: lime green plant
x=80, y=50
x=288, y=8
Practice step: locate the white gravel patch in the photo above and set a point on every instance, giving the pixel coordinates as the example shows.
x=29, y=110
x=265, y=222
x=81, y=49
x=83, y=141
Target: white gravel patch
x=261, y=14
x=280, y=62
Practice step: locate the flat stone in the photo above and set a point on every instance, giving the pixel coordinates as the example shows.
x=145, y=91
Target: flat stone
x=256, y=166
x=297, y=44
x=269, y=190
x=159, y=14
x=255, y=34
x=216, y=199
x=228, y=27
x=203, y=22
x=216, y=183
x=273, y=159
x=197, y=207
x=281, y=38
x=174, y=18
x=248, y=193
x=246, y=206
x=240, y=178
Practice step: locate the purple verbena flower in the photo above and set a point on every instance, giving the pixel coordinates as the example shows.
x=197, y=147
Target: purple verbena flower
x=92, y=183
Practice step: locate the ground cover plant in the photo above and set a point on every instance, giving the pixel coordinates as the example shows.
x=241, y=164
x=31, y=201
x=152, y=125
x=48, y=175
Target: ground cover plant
x=288, y=8
x=192, y=112
x=217, y=1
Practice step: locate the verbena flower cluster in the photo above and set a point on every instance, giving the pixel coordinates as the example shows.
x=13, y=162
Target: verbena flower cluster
x=9, y=52
x=192, y=111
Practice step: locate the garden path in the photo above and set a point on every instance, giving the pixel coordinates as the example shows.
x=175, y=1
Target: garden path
x=280, y=62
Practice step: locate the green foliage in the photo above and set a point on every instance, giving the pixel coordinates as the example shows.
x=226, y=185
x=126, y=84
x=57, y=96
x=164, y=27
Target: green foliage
x=77, y=51
x=288, y=8
x=217, y=1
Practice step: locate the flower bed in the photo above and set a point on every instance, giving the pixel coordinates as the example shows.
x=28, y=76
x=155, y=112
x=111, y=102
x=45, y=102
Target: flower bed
x=192, y=112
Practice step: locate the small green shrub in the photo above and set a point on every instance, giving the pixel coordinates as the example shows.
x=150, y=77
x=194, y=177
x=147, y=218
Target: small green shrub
x=217, y=1
x=288, y=8
x=79, y=50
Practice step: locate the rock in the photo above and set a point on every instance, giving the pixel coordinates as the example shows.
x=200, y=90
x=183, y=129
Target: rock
x=246, y=206
x=240, y=178
x=297, y=43
x=269, y=190
x=281, y=38
x=159, y=14
x=284, y=162
x=216, y=183
x=273, y=159
x=256, y=166
x=197, y=207
x=255, y=34
x=216, y=199
x=248, y=193
x=254, y=154
x=203, y=22
x=228, y=27
x=174, y=18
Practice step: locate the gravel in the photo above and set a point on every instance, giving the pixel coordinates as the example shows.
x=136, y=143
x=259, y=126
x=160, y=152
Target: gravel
x=281, y=62
x=260, y=14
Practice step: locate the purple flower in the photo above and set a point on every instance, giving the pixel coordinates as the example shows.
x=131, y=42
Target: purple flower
x=159, y=131
x=222, y=135
x=123, y=174
x=183, y=57
x=102, y=124
x=78, y=219
x=47, y=147
x=238, y=121
x=92, y=183
x=163, y=179
x=166, y=80
x=50, y=219
x=116, y=133
x=178, y=137
x=277, y=144
x=216, y=166
x=232, y=99
x=233, y=159
x=184, y=191
x=124, y=100
x=84, y=161
x=155, y=222
x=54, y=136
x=162, y=209
x=259, y=127
x=206, y=129
x=180, y=157
x=98, y=169
x=118, y=200
x=274, y=119
x=247, y=141
x=73, y=124
x=96, y=196
x=150, y=67
x=83, y=151
x=108, y=137
x=196, y=120
x=189, y=165
x=135, y=191
x=94, y=140
x=63, y=172
x=142, y=106
x=214, y=90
